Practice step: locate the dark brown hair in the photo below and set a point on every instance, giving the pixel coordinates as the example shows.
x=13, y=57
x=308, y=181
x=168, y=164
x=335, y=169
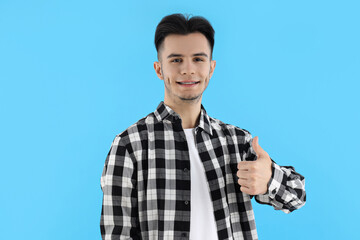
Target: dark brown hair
x=181, y=24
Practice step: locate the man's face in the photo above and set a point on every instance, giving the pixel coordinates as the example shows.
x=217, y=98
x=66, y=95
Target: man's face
x=185, y=66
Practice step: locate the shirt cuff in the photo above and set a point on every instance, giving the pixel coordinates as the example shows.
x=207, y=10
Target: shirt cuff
x=275, y=180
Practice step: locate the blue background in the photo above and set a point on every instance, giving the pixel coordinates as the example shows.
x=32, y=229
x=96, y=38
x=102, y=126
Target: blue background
x=76, y=73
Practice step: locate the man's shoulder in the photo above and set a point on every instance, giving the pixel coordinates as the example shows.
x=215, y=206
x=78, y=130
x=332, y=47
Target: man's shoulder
x=138, y=128
x=227, y=128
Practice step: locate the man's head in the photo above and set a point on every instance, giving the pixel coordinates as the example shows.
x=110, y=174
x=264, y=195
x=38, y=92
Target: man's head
x=183, y=25
x=185, y=57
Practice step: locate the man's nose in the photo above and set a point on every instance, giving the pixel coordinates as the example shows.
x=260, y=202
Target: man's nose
x=187, y=68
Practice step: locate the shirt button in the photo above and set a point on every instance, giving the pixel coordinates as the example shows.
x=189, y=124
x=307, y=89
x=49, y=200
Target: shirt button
x=183, y=234
x=186, y=170
x=186, y=202
x=273, y=191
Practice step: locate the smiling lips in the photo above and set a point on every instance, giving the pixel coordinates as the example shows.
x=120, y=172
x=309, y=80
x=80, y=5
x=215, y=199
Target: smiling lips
x=188, y=83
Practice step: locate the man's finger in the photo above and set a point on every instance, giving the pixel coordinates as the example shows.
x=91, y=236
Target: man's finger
x=243, y=182
x=255, y=144
x=245, y=190
x=243, y=174
x=244, y=165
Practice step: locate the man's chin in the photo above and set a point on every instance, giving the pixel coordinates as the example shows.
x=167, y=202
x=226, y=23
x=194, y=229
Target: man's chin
x=190, y=98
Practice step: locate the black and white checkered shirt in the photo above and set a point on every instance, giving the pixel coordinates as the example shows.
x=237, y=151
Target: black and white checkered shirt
x=146, y=180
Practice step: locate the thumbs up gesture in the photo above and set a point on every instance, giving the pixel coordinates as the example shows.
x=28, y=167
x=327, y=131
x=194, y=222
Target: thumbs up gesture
x=254, y=176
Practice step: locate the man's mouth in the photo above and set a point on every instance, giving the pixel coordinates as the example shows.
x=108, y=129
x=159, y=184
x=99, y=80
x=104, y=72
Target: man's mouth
x=188, y=82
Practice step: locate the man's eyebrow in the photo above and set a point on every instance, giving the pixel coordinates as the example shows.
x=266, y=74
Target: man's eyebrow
x=200, y=54
x=180, y=55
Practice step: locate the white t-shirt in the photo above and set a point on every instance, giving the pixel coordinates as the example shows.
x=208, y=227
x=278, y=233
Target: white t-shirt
x=202, y=221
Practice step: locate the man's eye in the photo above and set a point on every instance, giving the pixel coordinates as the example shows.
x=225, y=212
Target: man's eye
x=198, y=60
x=176, y=60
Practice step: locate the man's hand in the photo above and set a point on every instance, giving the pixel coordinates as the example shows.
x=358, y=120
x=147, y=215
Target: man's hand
x=254, y=176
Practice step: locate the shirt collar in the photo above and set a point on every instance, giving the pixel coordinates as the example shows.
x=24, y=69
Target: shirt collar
x=163, y=112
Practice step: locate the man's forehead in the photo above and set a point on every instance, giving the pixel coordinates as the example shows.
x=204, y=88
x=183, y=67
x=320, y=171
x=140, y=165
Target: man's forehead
x=198, y=54
x=186, y=44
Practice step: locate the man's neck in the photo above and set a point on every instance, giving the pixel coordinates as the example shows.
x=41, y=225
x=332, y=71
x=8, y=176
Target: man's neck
x=189, y=112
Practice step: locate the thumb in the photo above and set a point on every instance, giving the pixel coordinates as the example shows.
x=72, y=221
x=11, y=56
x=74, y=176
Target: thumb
x=255, y=144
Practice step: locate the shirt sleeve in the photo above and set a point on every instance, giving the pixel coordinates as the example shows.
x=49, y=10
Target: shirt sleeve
x=118, y=183
x=286, y=188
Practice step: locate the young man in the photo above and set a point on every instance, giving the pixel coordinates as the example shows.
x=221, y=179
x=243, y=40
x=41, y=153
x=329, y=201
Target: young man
x=181, y=174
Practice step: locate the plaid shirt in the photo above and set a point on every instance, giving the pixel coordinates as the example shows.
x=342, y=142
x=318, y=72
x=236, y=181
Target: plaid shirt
x=146, y=180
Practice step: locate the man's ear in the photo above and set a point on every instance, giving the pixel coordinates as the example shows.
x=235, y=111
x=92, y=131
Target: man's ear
x=157, y=67
x=212, y=67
